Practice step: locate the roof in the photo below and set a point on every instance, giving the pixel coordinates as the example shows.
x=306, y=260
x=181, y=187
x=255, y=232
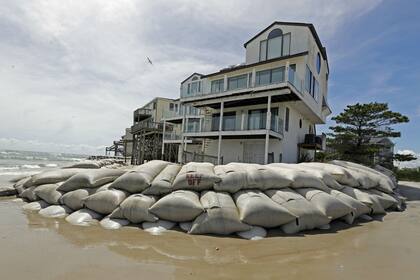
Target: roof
x=309, y=25
x=193, y=74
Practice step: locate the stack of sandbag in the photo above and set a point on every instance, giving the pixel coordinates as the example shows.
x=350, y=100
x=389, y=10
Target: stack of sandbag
x=246, y=199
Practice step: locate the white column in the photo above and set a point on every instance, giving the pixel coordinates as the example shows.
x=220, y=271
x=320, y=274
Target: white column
x=163, y=138
x=219, y=146
x=267, y=129
x=243, y=120
x=254, y=73
x=225, y=81
x=286, y=74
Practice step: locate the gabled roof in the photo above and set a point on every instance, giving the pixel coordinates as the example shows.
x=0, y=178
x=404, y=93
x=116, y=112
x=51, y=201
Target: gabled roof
x=309, y=25
x=193, y=74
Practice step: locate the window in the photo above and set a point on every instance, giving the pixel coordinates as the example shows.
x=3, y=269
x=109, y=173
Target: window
x=316, y=90
x=292, y=71
x=171, y=106
x=176, y=107
x=250, y=79
x=300, y=123
x=217, y=85
x=257, y=119
x=263, y=50
x=237, y=82
x=271, y=76
x=311, y=84
x=276, y=45
x=228, y=123
x=318, y=63
x=308, y=80
x=280, y=157
x=286, y=124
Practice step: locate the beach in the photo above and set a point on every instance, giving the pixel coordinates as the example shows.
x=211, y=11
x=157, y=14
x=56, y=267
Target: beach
x=33, y=247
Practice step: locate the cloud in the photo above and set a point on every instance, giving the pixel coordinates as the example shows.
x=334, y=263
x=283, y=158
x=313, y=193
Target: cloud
x=72, y=72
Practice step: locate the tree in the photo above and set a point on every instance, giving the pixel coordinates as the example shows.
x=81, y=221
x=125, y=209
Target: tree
x=404, y=157
x=358, y=125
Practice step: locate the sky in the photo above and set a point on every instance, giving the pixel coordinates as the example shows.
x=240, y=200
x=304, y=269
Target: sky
x=72, y=72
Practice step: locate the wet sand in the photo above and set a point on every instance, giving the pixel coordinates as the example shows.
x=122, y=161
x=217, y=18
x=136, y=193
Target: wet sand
x=33, y=247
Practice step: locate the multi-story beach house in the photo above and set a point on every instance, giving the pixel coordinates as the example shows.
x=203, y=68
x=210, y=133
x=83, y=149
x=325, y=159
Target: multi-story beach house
x=263, y=110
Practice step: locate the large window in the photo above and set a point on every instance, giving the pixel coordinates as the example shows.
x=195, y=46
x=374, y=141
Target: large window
x=217, y=85
x=276, y=45
x=270, y=76
x=237, y=82
x=228, y=124
x=318, y=63
x=257, y=119
x=311, y=84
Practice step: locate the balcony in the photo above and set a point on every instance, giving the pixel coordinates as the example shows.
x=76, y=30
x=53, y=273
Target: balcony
x=312, y=142
x=142, y=114
x=146, y=125
x=290, y=79
x=189, y=112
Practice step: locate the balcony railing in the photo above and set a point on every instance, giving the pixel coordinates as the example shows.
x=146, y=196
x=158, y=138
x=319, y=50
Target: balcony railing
x=146, y=125
x=292, y=78
x=173, y=135
x=190, y=111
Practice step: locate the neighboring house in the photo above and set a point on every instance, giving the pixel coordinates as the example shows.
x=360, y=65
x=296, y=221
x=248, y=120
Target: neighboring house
x=123, y=147
x=264, y=110
x=385, y=155
x=148, y=129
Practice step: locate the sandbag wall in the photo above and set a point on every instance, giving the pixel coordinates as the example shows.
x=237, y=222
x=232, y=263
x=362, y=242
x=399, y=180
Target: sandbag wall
x=205, y=199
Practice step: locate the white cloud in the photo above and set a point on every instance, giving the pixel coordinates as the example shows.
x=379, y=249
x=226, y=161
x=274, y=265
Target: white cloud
x=72, y=72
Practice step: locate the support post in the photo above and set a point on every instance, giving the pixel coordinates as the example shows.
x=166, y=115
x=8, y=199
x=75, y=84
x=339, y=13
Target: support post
x=267, y=130
x=182, y=132
x=163, y=138
x=219, y=146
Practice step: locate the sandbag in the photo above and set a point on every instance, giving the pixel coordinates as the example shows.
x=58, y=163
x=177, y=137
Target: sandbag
x=83, y=217
x=135, y=208
x=238, y=176
x=323, y=175
x=300, y=178
x=257, y=209
x=255, y=233
x=338, y=172
x=185, y=226
x=371, y=201
x=386, y=200
x=29, y=194
x=308, y=216
x=85, y=164
x=196, y=176
x=158, y=227
x=91, y=178
x=75, y=199
x=104, y=202
x=140, y=178
x=366, y=179
x=359, y=207
x=52, y=176
x=35, y=205
x=220, y=216
x=162, y=183
x=23, y=183
x=49, y=193
x=178, y=206
x=55, y=211
x=111, y=223
x=328, y=205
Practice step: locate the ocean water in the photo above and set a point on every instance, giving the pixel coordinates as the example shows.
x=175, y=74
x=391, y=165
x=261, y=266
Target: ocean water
x=17, y=164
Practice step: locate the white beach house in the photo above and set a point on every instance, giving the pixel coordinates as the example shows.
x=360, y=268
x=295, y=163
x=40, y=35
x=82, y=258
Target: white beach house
x=264, y=110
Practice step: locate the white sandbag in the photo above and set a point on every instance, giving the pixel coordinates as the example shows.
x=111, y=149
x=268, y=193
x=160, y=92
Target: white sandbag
x=365, y=177
x=111, y=223
x=255, y=233
x=308, y=216
x=53, y=176
x=29, y=194
x=359, y=207
x=162, y=183
x=19, y=185
x=328, y=205
x=388, y=173
x=386, y=200
x=140, y=178
x=178, y=206
x=220, y=217
x=104, y=202
x=75, y=199
x=185, y=226
x=338, y=172
x=257, y=209
x=91, y=178
x=49, y=193
x=55, y=211
x=117, y=213
x=83, y=217
x=196, y=176
x=158, y=227
x=372, y=202
x=323, y=175
x=85, y=164
x=35, y=206
x=135, y=208
x=239, y=176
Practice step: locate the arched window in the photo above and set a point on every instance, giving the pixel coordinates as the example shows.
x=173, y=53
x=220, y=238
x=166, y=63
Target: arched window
x=195, y=78
x=276, y=45
x=318, y=63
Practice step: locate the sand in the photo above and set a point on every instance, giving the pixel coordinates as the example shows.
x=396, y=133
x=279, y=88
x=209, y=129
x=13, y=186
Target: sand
x=33, y=247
